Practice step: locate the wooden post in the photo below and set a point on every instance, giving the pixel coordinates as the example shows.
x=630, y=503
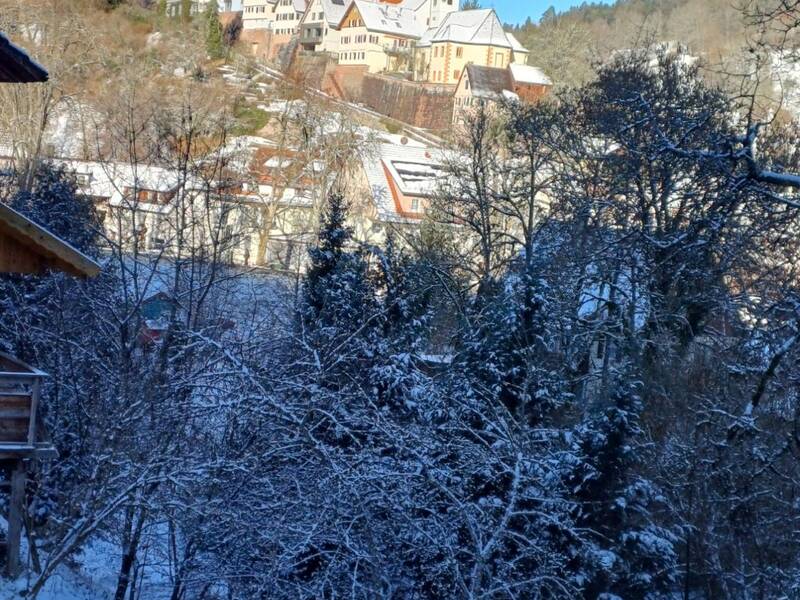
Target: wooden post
x=15, y=510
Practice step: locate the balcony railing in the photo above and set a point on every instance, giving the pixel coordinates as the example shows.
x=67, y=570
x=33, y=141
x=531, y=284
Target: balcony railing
x=21, y=431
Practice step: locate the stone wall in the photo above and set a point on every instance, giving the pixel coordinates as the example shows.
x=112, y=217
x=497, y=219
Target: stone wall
x=345, y=82
x=309, y=69
x=257, y=43
x=421, y=105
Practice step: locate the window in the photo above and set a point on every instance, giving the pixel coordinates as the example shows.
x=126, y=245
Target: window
x=415, y=204
x=456, y=74
x=459, y=52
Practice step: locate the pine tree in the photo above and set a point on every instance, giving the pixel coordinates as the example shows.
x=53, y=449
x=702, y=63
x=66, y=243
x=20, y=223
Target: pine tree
x=506, y=351
x=325, y=257
x=214, y=33
x=186, y=10
x=628, y=556
x=405, y=318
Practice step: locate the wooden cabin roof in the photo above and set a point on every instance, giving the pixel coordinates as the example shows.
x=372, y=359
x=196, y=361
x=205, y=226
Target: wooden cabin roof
x=16, y=66
x=26, y=247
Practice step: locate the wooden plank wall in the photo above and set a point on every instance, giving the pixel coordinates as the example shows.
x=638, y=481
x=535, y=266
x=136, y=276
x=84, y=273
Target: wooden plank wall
x=16, y=258
x=15, y=419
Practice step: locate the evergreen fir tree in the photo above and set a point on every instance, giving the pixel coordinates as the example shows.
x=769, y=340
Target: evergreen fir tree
x=186, y=10
x=214, y=33
x=507, y=354
x=325, y=256
x=405, y=319
x=627, y=556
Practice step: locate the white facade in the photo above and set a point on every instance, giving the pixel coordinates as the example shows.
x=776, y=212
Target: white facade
x=196, y=7
x=280, y=16
x=319, y=27
x=431, y=13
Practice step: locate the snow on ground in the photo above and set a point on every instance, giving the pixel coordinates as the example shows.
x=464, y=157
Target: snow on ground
x=92, y=578
x=786, y=80
x=65, y=584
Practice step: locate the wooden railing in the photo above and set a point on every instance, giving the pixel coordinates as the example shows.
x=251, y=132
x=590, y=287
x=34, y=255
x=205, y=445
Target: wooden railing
x=20, y=386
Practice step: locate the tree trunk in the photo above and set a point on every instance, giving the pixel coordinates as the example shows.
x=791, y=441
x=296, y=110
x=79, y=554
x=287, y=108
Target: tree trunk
x=129, y=558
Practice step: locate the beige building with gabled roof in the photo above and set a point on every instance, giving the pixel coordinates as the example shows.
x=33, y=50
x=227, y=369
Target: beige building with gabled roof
x=465, y=37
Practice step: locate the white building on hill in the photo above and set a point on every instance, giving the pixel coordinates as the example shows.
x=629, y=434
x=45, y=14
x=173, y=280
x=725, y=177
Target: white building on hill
x=269, y=25
x=379, y=36
x=320, y=26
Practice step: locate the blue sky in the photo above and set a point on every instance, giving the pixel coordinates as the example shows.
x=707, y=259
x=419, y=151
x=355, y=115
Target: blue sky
x=516, y=11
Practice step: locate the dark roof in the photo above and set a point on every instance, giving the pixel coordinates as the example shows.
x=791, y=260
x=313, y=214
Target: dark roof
x=488, y=82
x=16, y=66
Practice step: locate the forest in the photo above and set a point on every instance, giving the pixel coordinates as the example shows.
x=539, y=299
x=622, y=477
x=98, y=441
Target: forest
x=578, y=379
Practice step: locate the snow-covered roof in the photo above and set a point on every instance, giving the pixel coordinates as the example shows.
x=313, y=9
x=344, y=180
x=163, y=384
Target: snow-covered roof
x=299, y=5
x=104, y=178
x=388, y=18
x=414, y=171
x=515, y=45
x=426, y=38
x=413, y=4
x=113, y=181
x=480, y=27
x=333, y=10
x=529, y=74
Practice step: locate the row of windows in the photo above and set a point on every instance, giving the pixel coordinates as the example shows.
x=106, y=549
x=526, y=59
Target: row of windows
x=281, y=16
x=439, y=51
x=439, y=75
x=360, y=39
x=351, y=55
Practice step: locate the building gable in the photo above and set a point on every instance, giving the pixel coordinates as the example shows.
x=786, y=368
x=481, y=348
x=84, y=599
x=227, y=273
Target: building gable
x=352, y=17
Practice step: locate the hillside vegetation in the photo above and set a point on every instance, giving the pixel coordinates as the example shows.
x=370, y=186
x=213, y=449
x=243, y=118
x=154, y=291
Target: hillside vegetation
x=566, y=45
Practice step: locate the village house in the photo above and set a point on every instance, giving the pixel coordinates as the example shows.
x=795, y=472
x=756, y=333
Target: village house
x=269, y=217
x=401, y=180
x=465, y=37
x=379, y=36
x=490, y=85
x=268, y=26
x=319, y=26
